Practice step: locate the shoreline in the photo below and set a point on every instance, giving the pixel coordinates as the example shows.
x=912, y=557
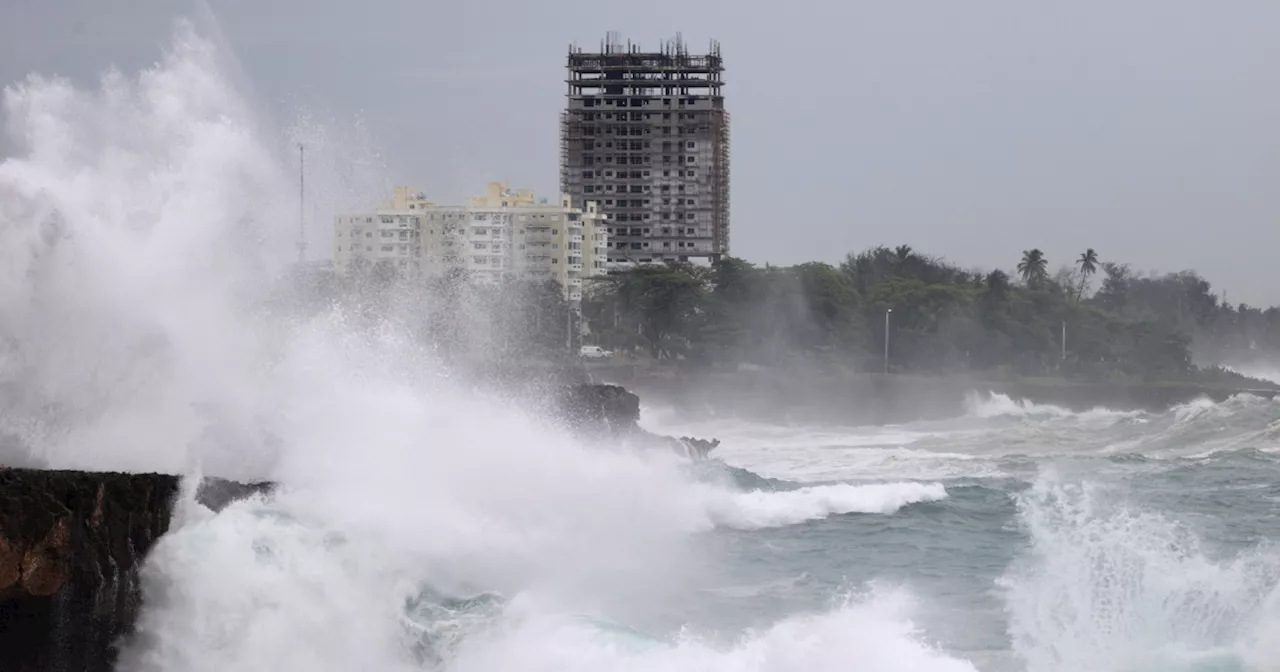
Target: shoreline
x=887, y=399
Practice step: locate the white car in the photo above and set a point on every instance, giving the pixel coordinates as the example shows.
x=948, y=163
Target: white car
x=594, y=352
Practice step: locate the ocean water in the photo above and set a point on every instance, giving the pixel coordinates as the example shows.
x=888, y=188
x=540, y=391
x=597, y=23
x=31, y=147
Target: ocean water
x=1102, y=540
x=1017, y=537
x=424, y=525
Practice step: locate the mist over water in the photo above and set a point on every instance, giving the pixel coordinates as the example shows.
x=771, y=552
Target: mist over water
x=422, y=524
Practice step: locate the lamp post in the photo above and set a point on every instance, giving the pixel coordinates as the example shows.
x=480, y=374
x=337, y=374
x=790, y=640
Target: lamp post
x=302, y=204
x=886, y=340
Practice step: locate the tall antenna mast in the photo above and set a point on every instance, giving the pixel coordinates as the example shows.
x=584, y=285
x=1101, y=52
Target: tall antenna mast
x=302, y=212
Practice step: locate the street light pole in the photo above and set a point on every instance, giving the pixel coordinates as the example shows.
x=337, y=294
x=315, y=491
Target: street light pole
x=302, y=204
x=886, y=340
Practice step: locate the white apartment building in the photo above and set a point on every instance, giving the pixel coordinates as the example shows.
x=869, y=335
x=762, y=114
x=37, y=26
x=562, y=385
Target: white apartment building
x=501, y=234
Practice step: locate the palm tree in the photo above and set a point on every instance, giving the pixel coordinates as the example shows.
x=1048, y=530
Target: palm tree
x=1088, y=263
x=1034, y=267
x=902, y=259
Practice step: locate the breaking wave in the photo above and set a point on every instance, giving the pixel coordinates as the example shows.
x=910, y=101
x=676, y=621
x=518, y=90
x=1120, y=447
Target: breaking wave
x=759, y=509
x=1107, y=584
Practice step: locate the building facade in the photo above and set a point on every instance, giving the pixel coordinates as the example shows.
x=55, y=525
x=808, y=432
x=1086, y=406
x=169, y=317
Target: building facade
x=646, y=135
x=502, y=234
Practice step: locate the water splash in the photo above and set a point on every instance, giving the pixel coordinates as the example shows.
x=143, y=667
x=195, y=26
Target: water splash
x=131, y=243
x=1108, y=586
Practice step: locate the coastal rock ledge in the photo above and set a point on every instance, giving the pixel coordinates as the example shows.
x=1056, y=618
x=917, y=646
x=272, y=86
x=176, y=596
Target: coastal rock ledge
x=612, y=412
x=70, y=546
x=71, y=542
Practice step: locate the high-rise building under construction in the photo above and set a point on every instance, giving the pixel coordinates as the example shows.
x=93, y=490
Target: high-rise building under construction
x=645, y=134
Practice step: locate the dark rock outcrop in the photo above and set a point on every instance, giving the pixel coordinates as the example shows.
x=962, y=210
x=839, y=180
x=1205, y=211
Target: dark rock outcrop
x=610, y=411
x=599, y=409
x=217, y=493
x=70, y=547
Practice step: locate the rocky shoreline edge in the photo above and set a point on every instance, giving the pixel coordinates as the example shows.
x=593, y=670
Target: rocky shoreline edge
x=72, y=542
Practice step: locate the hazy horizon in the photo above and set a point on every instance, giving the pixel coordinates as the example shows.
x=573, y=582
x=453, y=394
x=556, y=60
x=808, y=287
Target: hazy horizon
x=969, y=132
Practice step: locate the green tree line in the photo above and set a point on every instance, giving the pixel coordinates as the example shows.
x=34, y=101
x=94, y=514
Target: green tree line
x=1119, y=325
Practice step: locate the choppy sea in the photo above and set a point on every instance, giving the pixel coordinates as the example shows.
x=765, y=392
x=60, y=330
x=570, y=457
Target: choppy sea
x=1016, y=537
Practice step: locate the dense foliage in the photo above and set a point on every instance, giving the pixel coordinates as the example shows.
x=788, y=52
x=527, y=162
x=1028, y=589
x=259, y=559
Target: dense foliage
x=940, y=318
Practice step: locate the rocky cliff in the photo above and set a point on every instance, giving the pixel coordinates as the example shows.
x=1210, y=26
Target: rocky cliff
x=70, y=546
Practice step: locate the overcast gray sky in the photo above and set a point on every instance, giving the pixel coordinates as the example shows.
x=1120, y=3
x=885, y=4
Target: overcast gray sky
x=1148, y=129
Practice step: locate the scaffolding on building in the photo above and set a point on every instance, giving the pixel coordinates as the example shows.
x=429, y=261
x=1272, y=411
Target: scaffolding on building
x=645, y=134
